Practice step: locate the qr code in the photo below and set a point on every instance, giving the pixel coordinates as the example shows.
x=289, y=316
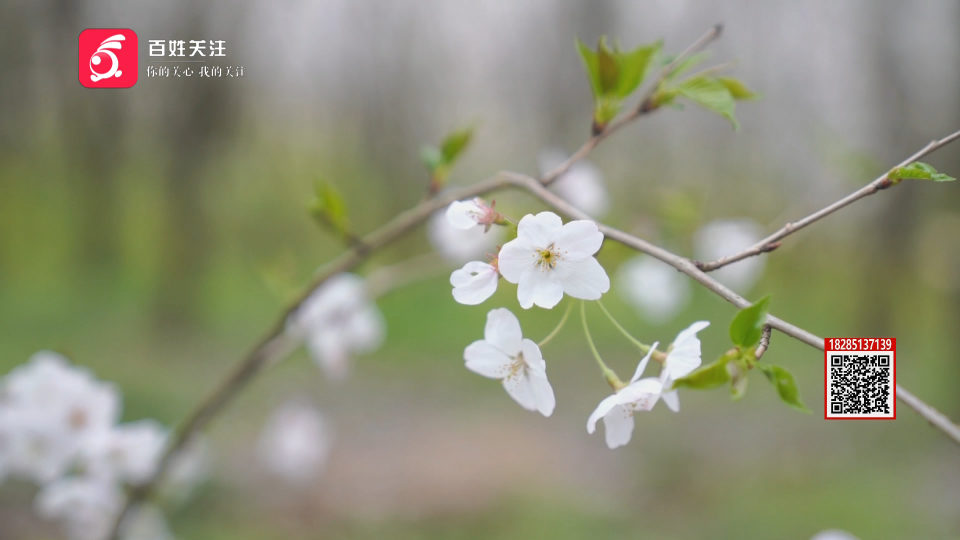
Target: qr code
x=860, y=384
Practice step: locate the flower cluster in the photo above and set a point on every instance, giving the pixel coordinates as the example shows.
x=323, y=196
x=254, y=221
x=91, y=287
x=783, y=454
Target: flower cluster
x=547, y=260
x=59, y=429
x=641, y=394
x=337, y=320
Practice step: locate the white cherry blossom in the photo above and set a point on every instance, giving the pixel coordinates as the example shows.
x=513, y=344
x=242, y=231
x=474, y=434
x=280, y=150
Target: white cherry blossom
x=457, y=245
x=295, y=443
x=128, y=452
x=338, y=320
x=725, y=237
x=504, y=354
x=549, y=259
x=655, y=288
x=582, y=185
x=684, y=354
x=466, y=215
x=49, y=410
x=474, y=282
x=85, y=506
x=641, y=394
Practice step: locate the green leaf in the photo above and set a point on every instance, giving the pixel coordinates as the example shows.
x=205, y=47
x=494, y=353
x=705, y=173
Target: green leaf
x=454, y=144
x=918, y=171
x=687, y=64
x=710, y=94
x=431, y=156
x=608, y=67
x=635, y=66
x=737, y=89
x=785, y=384
x=592, y=66
x=707, y=376
x=747, y=325
x=328, y=207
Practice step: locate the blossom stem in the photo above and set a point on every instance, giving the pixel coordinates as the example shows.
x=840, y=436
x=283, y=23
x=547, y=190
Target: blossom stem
x=608, y=374
x=555, y=331
x=644, y=348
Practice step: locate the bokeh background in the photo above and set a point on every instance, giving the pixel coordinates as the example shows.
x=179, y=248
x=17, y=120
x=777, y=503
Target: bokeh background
x=154, y=233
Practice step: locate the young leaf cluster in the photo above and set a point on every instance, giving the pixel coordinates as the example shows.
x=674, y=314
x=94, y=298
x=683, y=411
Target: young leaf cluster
x=614, y=75
x=917, y=170
x=733, y=367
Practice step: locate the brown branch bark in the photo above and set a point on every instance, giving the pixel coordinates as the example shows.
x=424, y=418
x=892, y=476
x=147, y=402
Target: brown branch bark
x=773, y=241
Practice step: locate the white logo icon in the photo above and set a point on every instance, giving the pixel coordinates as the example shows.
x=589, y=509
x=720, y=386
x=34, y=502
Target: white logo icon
x=112, y=42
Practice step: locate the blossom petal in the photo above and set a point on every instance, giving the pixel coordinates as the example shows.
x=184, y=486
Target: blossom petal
x=463, y=214
x=684, y=357
x=618, y=426
x=579, y=239
x=519, y=387
x=672, y=400
x=643, y=394
x=540, y=288
x=532, y=356
x=483, y=358
x=542, y=392
x=503, y=331
x=329, y=351
x=474, y=283
x=643, y=363
x=604, y=407
x=515, y=259
x=539, y=230
x=584, y=279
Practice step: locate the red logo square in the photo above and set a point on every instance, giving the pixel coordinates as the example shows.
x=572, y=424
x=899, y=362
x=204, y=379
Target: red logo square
x=108, y=58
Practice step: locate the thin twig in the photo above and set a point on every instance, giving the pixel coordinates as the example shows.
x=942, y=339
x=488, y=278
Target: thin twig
x=773, y=241
x=934, y=417
x=646, y=106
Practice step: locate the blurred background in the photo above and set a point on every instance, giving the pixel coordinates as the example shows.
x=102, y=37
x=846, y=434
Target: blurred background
x=153, y=234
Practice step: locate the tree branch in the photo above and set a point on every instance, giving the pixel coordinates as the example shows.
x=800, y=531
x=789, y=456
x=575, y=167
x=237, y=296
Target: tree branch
x=773, y=241
x=276, y=345
x=646, y=106
x=933, y=416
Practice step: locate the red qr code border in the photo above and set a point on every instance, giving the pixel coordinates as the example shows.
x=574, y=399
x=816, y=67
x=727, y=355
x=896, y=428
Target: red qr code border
x=826, y=370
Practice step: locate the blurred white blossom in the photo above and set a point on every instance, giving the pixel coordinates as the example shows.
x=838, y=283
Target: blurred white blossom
x=548, y=259
x=188, y=468
x=295, y=443
x=49, y=410
x=458, y=245
x=128, y=452
x=85, y=506
x=582, y=185
x=726, y=237
x=58, y=427
x=655, y=288
x=466, y=215
x=505, y=355
x=474, y=283
x=337, y=320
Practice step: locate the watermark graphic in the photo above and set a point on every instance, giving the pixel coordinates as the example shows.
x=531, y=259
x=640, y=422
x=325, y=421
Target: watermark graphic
x=107, y=58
